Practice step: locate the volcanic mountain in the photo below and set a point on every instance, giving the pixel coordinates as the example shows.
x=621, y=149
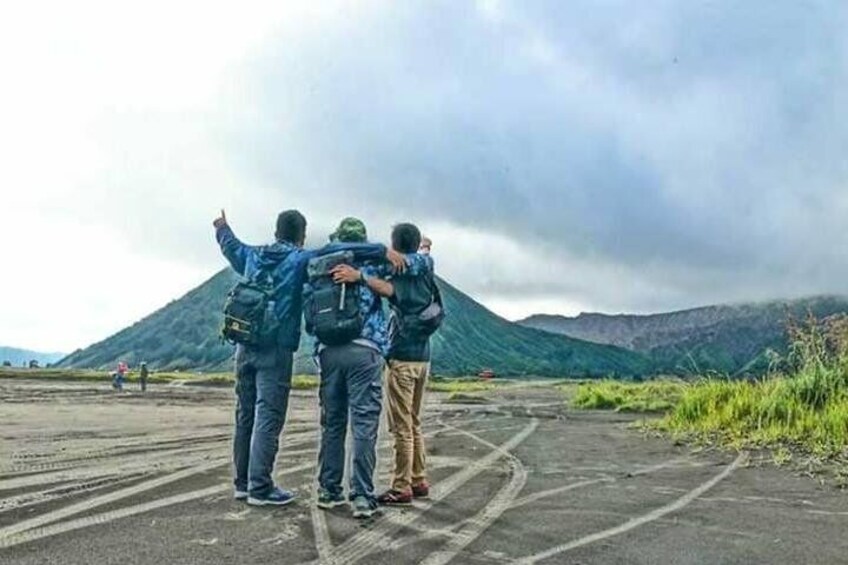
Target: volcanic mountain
x=184, y=335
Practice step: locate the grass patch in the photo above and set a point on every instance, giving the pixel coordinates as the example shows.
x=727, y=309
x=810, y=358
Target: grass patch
x=799, y=408
x=465, y=398
x=802, y=406
x=305, y=382
x=299, y=382
x=656, y=396
x=775, y=412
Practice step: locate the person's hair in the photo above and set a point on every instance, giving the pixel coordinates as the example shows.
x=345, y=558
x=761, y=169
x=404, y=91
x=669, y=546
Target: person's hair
x=406, y=238
x=291, y=227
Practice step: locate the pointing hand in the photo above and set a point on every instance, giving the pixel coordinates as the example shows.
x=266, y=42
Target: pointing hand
x=221, y=221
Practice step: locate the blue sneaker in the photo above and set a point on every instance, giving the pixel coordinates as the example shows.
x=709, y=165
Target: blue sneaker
x=363, y=507
x=327, y=500
x=239, y=494
x=277, y=497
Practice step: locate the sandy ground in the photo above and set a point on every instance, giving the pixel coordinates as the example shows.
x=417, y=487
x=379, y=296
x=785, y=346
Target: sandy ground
x=91, y=476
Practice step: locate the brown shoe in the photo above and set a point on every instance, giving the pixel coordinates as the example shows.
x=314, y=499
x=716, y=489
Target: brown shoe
x=421, y=490
x=395, y=498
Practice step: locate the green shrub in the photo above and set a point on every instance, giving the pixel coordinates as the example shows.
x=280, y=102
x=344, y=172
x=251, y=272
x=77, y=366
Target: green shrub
x=655, y=396
x=805, y=405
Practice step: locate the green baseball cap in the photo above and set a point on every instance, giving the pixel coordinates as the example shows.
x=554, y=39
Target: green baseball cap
x=350, y=230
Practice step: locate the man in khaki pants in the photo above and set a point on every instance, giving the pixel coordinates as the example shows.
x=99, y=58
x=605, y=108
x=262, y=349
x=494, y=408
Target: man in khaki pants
x=416, y=313
x=407, y=369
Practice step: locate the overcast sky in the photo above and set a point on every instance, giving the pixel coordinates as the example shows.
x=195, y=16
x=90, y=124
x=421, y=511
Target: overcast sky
x=602, y=155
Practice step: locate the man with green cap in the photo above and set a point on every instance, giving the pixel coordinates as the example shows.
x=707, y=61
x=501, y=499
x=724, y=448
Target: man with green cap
x=350, y=230
x=351, y=385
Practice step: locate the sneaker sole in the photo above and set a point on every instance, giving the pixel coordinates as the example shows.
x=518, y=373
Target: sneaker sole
x=331, y=505
x=259, y=502
x=362, y=515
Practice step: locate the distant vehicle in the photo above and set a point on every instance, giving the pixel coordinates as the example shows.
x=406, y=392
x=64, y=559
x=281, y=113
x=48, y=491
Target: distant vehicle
x=486, y=374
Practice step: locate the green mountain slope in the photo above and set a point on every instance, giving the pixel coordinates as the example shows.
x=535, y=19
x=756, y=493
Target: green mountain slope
x=729, y=339
x=184, y=335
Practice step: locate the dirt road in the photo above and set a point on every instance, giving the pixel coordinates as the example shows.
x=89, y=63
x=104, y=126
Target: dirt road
x=91, y=476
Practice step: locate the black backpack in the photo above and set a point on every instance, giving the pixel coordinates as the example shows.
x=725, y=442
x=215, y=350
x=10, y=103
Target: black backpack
x=332, y=311
x=249, y=317
x=409, y=318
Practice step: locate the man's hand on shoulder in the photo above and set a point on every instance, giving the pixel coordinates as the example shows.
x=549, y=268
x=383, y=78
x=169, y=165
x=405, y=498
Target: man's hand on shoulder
x=345, y=274
x=220, y=221
x=398, y=260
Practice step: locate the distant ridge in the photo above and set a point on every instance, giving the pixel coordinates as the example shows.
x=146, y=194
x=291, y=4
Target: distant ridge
x=184, y=335
x=17, y=357
x=724, y=338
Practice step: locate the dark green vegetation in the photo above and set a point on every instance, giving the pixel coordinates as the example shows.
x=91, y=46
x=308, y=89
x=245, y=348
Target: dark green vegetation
x=18, y=357
x=184, y=335
x=802, y=408
x=723, y=339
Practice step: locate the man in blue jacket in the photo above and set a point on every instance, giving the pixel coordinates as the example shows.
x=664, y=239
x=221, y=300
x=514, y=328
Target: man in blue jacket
x=263, y=374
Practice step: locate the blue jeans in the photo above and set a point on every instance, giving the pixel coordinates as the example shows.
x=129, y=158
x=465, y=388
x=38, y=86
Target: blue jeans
x=263, y=383
x=351, y=384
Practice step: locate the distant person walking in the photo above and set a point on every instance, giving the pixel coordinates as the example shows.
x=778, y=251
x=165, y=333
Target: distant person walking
x=351, y=380
x=264, y=362
x=142, y=376
x=119, y=376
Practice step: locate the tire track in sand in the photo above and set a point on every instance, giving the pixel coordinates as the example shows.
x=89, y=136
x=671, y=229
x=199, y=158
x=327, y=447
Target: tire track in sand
x=108, y=498
x=499, y=504
x=378, y=537
x=639, y=521
x=106, y=517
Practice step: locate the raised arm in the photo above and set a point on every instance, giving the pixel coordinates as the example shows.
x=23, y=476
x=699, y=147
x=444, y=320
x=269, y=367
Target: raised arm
x=234, y=250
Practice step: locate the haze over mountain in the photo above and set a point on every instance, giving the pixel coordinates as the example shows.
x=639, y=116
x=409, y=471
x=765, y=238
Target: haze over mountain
x=724, y=338
x=18, y=357
x=184, y=335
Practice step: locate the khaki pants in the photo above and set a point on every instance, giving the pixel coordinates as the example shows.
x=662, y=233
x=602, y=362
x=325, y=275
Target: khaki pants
x=405, y=382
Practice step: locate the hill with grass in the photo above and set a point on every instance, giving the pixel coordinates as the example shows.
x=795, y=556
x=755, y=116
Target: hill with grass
x=729, y=339
x=17, y=357
x=183, y=335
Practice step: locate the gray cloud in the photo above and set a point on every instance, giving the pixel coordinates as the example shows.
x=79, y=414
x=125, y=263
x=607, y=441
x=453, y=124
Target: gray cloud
x=692, y=148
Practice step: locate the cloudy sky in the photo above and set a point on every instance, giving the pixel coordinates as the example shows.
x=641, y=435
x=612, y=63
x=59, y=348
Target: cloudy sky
x=602, y=155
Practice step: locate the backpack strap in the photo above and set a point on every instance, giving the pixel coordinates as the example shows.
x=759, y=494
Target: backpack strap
x=437, y=294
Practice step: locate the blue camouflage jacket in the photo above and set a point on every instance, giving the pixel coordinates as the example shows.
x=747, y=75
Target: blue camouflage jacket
x=287, y=265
